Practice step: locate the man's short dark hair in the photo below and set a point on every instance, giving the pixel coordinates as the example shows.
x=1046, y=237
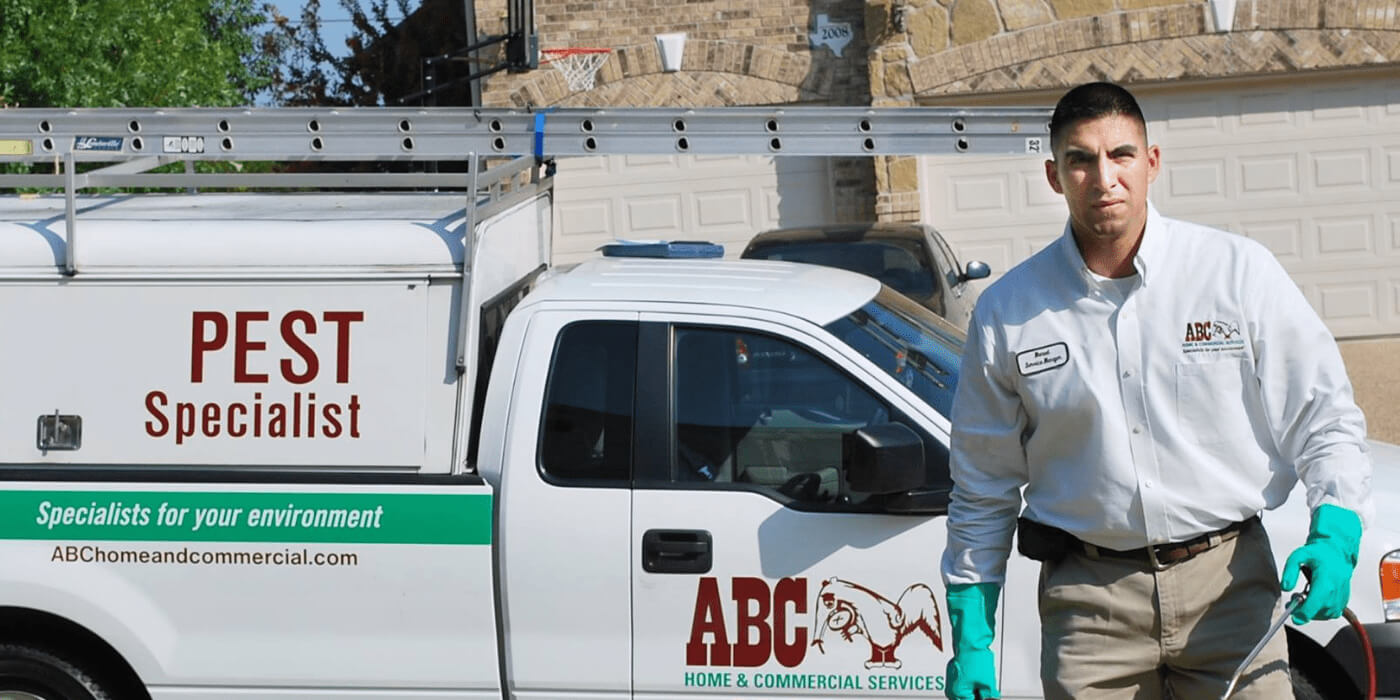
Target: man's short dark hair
x=1091, y=101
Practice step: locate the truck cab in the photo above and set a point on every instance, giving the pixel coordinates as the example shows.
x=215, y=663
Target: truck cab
x=739, y=441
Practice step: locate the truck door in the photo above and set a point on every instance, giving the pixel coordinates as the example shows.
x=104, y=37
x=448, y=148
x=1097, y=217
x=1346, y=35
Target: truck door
x=758, y=571
x=565, y=506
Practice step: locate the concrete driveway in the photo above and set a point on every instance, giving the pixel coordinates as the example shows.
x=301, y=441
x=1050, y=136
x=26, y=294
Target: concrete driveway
x=1374, y=368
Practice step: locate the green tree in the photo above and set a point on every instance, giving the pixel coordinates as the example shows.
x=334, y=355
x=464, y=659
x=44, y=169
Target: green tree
x=133, y=53
x=383, y=57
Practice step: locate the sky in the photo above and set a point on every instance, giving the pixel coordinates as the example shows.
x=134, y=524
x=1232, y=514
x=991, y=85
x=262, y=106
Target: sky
x=335, y=21
x=335, y=25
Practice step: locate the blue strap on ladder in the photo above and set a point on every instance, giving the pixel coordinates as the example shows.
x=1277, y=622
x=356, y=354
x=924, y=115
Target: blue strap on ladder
x=539, y=133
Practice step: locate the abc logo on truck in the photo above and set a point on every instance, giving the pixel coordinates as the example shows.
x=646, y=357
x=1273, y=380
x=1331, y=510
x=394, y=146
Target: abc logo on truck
x=752, y=625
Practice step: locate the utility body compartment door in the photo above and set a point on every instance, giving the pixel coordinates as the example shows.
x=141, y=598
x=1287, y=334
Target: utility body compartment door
x=228, y=373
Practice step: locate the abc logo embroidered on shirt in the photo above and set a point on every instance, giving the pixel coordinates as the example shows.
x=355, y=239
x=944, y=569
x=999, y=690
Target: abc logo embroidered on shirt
x=1042, y=359
x=1212, y=336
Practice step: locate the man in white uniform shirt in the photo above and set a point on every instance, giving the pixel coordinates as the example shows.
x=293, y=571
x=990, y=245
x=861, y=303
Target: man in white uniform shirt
x=1153, y=385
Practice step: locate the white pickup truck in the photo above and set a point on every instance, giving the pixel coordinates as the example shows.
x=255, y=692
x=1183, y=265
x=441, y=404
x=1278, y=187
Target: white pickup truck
x=314, y=446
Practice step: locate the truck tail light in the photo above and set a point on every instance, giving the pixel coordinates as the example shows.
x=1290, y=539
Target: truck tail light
x=1390, y=586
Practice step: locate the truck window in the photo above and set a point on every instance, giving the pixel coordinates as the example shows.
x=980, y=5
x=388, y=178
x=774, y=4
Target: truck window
x=752, y=409
x=587, y=432
x=920, y=350
x=493, y=319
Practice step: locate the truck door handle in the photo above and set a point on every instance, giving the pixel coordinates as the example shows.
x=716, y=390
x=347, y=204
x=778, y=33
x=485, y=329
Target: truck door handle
x=677, y=551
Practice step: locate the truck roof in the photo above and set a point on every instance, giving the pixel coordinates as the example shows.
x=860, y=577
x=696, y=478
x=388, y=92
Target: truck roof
x=374, y=231
x=818, y=294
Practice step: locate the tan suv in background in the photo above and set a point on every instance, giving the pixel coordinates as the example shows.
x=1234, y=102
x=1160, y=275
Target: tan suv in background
x=912, y=259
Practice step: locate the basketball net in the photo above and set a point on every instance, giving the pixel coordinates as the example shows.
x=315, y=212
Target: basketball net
x=579, y=65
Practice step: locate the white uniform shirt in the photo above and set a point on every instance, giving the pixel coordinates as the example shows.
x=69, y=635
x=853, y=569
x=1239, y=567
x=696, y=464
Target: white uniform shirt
x=1194, y=401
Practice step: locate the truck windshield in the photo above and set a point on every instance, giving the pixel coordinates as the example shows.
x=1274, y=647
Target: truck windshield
x=907, y=341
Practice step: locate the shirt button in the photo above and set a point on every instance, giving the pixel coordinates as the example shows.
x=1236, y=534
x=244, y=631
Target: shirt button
x=1137, y=430
x=1147, y=484
x=1127, y=373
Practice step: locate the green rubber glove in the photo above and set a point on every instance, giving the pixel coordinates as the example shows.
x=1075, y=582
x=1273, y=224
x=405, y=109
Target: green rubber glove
x=1329, y=558
x=972, y=612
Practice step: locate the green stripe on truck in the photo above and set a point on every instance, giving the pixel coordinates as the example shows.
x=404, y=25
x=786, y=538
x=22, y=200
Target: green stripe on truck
x=186, y=516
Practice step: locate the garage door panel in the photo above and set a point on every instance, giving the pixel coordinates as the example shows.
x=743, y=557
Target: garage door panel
x=1352, y=307
x=1344, y=237
x=1201, y=115
x=1197, y=180
x=1283, y=238
x=634, y=162
x=1039, y=195
x=1309, y=169
x=725, y=199
x=651, y=215
x=1269, y=110
x=1349, y=301
x=728, y=207
x=981, y=194
x=582, y=219
x=1268, y=175
x=1391, y=158
x=575, y=166
x=1334, y=107
x=1341, y=170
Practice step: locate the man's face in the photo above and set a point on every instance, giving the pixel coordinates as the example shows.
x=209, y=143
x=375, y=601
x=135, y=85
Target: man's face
x=1103, y=167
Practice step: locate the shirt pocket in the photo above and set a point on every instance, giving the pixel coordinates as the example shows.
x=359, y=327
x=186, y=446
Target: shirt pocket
x=1210, y=402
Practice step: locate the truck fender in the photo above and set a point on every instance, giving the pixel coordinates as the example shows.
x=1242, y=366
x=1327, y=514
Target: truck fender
x=124, y=619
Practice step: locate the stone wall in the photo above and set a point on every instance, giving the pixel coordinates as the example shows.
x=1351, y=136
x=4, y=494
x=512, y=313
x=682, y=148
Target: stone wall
x=737, y=52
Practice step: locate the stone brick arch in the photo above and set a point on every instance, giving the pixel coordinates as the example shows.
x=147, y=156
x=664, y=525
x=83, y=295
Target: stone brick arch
x=1234, y=54
x=1032, y=51
x=713, y=73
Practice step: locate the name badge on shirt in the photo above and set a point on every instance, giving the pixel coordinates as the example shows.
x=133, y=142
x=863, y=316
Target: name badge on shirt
x=1042, y=359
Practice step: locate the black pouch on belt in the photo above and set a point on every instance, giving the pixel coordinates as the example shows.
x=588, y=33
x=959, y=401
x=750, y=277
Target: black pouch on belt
x=1042, y=542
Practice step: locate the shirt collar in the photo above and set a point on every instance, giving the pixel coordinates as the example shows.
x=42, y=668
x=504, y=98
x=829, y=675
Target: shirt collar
x=1149, y=254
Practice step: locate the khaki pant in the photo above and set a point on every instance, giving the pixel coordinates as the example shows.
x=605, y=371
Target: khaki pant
x=1111, y=628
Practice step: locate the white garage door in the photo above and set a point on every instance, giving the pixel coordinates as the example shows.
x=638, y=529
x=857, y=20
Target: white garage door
x=722, y=199
x=1310, y=168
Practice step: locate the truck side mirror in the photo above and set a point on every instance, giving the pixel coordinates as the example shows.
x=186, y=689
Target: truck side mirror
x=884, y=458
x=976, y=270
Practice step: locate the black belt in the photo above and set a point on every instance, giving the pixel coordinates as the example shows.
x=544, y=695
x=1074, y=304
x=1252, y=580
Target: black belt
x=1161, y=556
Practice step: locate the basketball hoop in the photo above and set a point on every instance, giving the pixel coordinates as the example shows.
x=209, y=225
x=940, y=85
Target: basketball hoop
x=578, y=64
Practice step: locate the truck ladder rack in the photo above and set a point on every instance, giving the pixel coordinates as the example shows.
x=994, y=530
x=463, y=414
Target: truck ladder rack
x=444, y=134
x=123, y=145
